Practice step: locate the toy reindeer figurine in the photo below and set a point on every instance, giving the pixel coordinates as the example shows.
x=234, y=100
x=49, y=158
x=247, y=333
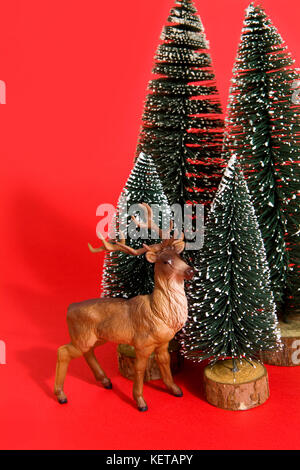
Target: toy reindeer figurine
x=147, y=322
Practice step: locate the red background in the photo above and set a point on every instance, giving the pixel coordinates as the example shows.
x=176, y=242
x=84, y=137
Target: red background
x=76, y=75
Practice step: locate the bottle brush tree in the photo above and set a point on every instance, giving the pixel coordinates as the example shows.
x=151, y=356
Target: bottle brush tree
x=232, y=309
x=263, y=130
x=124, y=275
x=182, y=121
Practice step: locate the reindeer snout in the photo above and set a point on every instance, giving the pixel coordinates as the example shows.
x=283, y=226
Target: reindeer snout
x=189, y=273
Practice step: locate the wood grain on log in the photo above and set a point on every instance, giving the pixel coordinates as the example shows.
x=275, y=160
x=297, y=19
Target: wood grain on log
x=242, y=390
x=126, y=358
x=289, y=355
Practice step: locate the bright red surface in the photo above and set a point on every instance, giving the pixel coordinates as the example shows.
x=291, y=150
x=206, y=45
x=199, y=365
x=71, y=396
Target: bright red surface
x=76, y=75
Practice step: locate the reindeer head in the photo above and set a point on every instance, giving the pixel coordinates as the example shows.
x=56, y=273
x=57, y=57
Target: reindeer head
x=167, y=261
x=165, y=254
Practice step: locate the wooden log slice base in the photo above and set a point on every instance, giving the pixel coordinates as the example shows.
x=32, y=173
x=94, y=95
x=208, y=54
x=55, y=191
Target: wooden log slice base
x=242, y=390
x=289, y=355
x=126, y=358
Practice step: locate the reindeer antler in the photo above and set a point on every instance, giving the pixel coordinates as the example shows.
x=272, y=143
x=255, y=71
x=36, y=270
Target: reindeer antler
x=149, y=224
x=117, y=246
x=163, y=234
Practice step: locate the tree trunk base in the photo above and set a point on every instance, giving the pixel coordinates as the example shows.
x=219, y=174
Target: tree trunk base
x=242, y=390
x=126, y=358
x=289, y=355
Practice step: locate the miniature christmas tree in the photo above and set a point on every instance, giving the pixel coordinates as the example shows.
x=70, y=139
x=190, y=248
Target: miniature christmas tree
x=124, y=275
x=263, y=131
x=182, y=123
x=232, y=310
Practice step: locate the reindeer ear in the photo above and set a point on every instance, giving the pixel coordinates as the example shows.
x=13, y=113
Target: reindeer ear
x=151, y=257
x=179, y=246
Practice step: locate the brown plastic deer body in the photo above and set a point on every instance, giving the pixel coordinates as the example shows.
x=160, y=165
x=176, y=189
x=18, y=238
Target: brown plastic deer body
x=147, y=322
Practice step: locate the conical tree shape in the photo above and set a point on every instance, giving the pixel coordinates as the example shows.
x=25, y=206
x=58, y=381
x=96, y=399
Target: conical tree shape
x=124, y=275
x=232, y=309
x=182, y=123
x=263, y=131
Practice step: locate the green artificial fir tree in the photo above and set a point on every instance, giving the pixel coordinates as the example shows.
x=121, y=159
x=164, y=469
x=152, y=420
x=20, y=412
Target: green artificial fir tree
x=125, y=275
x=232, y=309
x=182, y=123
x=263, y=130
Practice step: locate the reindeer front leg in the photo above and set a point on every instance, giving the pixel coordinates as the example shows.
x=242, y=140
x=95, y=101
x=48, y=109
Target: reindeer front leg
x=163, y=360
x=140, y=365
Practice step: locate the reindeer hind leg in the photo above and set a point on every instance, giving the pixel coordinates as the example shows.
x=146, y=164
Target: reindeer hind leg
x=64, y=355
x=98, y=372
